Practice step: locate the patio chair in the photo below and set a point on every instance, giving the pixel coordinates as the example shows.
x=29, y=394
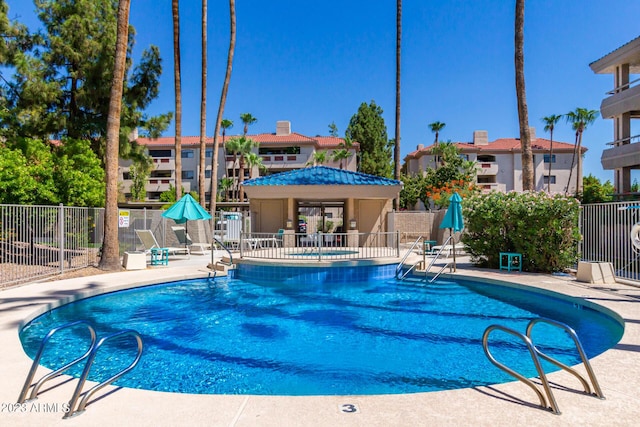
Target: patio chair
x=149, y=242
x=184, y=239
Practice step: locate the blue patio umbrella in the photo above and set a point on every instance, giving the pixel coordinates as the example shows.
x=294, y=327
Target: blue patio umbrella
x=453, y=220
x=186, y=209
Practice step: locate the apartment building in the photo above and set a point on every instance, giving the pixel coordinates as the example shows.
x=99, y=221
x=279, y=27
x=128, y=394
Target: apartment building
x=280, y=151
x=499, y=162
x=622, y=105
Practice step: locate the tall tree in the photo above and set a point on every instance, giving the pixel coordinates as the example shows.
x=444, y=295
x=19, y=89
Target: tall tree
x=175, y=9
x=54, y=82
x=248, y=120
x=223, y=100
x=436, y=127
x=528, y=183
x=549, y=126
x=110, y=258
x=233, y=146
x=397, y=140
x=343, y=152
x=333, y=129
x=203, y=111
x=317, y=158
x=245, y=147
x=580, y=118
x=367, y=128
x=224, y=125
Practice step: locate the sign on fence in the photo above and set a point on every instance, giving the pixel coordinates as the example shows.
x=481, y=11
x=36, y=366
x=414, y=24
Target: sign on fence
x=123, y=219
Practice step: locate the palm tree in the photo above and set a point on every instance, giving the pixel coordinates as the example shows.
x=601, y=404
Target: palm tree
x=343, y=152
x=246, y=145
x=247, y=119
x=436, y=127
x=175, y=6
x=110, y=258
x=225, y=184
x=223, y=100
x=203, y=109
x=523, y=114
x=233, y=146
x=396, y=151
x=254, y=160
x=579, y=119
x=317, y=158
x=225, y=124
x=549, y=125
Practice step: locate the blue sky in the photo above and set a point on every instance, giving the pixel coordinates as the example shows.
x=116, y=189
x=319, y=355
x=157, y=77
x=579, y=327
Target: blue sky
x=315, y=62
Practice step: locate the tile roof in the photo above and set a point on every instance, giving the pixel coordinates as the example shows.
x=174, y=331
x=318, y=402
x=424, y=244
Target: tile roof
x=504, y=145
x=325, y=142
x=320, y=175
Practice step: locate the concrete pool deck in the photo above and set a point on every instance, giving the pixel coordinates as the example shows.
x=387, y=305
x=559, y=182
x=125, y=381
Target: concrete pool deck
x=617, y=370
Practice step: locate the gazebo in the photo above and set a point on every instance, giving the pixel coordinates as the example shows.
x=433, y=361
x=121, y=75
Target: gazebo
x=321, y=198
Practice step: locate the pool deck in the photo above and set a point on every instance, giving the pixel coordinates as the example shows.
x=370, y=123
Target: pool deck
x=510, y=404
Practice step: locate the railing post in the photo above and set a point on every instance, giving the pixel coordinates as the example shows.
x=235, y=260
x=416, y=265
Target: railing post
x=61, y=236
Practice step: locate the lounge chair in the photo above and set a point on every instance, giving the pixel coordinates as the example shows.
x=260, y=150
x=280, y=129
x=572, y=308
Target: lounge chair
x=184, y=239
x=149, y=242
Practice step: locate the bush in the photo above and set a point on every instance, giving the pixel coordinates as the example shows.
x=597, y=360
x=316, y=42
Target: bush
x=543, y=228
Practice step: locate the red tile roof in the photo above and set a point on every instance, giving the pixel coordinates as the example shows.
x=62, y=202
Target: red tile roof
x=503, y=145
x=263, y=138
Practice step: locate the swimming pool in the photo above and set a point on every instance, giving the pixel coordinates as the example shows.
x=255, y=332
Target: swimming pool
x=311, y=331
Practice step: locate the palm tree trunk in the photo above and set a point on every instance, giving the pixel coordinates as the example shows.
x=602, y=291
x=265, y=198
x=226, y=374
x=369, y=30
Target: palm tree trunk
x=110, y=258
x=175, y=6
x=223, y=99
x=579, y=157
x=523, y=114
x=550, y=163
x=203, y=110
x=573, y=161
x=396, y=151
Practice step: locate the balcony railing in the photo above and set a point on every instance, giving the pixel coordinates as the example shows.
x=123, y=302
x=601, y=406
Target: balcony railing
x=622, y=87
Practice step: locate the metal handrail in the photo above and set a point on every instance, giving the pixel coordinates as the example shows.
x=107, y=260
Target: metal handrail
x=401, y=264
x=621, y=88
x=433, y=279
x=585, y=360
x=534, y=356
x=438, y=256
x=59, y=371
x=76, y=394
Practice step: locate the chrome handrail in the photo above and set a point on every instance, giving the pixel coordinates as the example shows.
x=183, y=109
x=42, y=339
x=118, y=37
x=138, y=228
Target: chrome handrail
x=401, y=264
x=576, y=341
x=534, y=356
x=87, y=368
x=59, y=371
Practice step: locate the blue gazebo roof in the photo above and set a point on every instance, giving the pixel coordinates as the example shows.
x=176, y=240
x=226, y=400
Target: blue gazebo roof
x=320, y=175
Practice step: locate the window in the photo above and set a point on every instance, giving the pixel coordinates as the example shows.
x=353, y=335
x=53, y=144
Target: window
x=207, y=173
x=547, y=157
x=160, y=153
x=188, y=175
x=126, y=175
x=160, y=174
x=208, y=152
x=546, y=179
x=187, y=154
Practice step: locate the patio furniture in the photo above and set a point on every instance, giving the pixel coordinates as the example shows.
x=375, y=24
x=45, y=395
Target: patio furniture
x=184, y=239
x=149, y=242
x=159, y=256
x=510, y=261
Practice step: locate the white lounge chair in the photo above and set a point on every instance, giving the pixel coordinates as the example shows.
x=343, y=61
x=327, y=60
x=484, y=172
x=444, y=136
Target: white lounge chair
x=149, y=242
x=184, y=239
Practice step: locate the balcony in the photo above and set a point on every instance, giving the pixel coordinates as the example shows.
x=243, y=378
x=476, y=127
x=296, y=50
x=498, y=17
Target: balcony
x=282, y=160
x=621, y=156
x=487, y=168
x=625, y=99
x=164, y=163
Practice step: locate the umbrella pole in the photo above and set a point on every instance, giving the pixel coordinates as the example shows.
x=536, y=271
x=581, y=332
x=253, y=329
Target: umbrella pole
x=454, y=250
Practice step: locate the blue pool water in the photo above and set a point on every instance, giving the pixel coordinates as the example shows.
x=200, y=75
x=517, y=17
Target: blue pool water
x=318, y=332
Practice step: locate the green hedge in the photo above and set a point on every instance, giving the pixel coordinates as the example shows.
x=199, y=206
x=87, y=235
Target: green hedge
x=543, y=228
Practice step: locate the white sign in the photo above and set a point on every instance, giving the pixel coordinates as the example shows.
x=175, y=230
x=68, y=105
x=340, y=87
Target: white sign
x=123, y=219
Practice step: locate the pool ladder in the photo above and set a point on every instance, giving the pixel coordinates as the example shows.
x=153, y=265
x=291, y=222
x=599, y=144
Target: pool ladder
x=89, y=356
x=224, y=262
x=428, y=268
x=537, y=354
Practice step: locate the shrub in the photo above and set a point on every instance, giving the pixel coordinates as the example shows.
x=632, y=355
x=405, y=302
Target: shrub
x=543, y=228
